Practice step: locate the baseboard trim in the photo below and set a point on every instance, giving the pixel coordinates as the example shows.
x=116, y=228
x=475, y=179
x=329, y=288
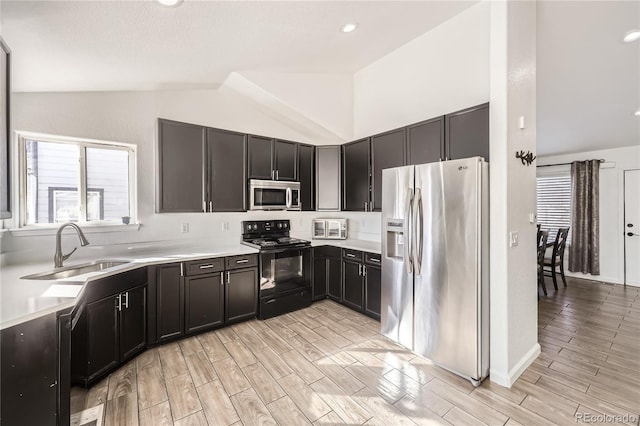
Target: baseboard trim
x=507, y=380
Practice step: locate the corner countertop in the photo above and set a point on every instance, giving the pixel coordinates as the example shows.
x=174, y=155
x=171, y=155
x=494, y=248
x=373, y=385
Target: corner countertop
x=353, y=244
x=22, y=300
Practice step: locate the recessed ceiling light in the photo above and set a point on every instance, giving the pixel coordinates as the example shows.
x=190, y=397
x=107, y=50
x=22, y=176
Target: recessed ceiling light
x=637, y=113
x=170, y=3
x=347, y=28
x=632, y=36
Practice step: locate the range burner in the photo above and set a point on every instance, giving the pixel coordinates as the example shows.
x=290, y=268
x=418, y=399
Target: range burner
x=270, y=234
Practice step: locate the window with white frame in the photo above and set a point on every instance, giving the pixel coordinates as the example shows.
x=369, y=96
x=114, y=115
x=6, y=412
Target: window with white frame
x=554, y=201
x=70, y=180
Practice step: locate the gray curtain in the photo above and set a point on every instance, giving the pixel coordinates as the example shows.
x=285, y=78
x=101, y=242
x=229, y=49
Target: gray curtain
x=584, y=252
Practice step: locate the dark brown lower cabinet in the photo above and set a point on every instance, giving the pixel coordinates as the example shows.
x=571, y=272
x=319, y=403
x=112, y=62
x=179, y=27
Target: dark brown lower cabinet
x=169, y=302
x=372, y=288
x=241, y=294
x=352, y=285
x=204, y=301
x=319, y=276
x=29, y=366
x=133, y=323
x=110, y=331
x=334, y=274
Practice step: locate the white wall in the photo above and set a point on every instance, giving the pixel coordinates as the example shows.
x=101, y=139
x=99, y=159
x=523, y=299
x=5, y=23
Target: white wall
x=617, y=160
x=514, y=310
x=442, y=71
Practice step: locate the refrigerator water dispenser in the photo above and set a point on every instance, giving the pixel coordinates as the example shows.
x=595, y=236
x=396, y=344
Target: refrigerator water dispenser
x=395, y=238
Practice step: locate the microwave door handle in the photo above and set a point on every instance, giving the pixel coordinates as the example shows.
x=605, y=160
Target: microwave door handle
x=288, y=198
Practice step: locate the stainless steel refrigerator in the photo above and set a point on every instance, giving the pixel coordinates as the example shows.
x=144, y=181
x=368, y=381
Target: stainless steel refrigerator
x=435, y=265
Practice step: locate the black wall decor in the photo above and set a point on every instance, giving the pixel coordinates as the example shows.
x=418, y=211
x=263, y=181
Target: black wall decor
x=526, y=158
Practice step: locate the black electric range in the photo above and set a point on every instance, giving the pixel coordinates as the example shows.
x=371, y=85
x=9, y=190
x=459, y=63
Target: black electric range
x=285, y=266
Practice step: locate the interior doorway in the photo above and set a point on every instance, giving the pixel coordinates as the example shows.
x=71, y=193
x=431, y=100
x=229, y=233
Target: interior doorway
x=632, y=227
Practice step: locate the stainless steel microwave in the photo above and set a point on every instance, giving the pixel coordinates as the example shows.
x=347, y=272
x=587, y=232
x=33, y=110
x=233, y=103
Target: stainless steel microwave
x=330, y=229
x=274, y=195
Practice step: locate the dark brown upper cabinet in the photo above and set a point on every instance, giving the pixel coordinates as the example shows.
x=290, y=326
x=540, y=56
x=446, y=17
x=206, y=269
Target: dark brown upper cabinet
x=200, y=169
x=181, y=162
x=272, y=159
x=259, y=157
x=226, y=153
x=425, y=141
x=285, y=160
x=467, y=133
x=307, y=174
x=356, y=175
x=387, y=151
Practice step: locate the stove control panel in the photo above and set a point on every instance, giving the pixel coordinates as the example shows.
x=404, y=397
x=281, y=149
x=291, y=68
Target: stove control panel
x=265, y=226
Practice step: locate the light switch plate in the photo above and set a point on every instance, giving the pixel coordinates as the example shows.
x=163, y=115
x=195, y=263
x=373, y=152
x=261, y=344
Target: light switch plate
x=513, y=239
x=184, y=228
x=532, y=218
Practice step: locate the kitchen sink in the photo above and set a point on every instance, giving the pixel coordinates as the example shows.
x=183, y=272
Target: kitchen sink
x=72, y=271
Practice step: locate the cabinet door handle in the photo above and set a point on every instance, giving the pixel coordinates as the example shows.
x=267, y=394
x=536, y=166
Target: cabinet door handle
x=242, y=261
x=373, y=259
x=273, y=175
x=360, y=270
x=365, y=206
x=206, y=266
x=351, y=255
x=222, y=278
x=126, y=300
x=210, y=206
x=204, y=206
x=364, y=270
x=182, y=269
x=228, y=277
x=119, y=302
x=277, y=174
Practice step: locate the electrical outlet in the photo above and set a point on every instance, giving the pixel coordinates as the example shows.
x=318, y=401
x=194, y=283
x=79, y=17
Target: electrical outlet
x=532, y=217
x=184, y=228
x=513, y=239
x=225, y=225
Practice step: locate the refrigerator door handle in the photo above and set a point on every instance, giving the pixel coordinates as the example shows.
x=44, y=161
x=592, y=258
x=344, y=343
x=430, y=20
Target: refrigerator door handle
x=418, y=233
x=408, y=238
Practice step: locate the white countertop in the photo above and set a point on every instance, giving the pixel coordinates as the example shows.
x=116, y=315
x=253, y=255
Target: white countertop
x=22, y=300
x=362, y=245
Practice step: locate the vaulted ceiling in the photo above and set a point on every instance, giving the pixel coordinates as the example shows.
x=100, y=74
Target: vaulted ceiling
x=588, y=79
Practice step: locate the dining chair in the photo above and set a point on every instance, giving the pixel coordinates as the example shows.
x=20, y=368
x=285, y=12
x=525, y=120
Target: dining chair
x=542, y=247
x=551, y=264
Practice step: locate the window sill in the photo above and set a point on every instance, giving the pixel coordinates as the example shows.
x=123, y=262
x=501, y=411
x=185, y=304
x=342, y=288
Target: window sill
x=35, y=231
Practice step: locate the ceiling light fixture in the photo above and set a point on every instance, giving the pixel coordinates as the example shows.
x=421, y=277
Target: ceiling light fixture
x=170, y=3
x=632, y=36
x=637, y=113
x=347, y=28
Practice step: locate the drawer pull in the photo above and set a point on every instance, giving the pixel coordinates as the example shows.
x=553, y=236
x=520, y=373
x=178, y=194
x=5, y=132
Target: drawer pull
x=373, y=259
x=206, y=266
x=242, y=261
x=270, y=301
x=351, y=255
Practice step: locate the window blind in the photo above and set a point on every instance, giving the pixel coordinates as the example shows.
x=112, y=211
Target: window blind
x=554, y=202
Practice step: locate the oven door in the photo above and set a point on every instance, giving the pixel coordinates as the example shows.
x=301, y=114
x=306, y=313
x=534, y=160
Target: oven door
x=284, y=270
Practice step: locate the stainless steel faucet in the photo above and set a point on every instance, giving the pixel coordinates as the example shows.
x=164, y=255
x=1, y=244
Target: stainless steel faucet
x=59, y=258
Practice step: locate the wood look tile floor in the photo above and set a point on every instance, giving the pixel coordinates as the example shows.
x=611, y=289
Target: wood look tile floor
x=329, y=365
